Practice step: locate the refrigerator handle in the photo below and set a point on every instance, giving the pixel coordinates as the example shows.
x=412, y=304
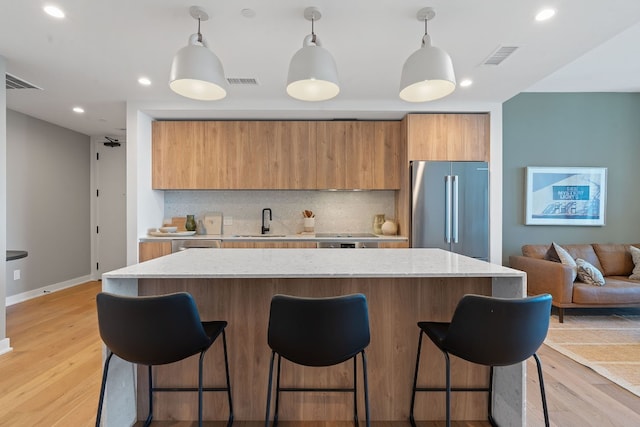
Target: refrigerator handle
x=447, y=208
x=454, y=209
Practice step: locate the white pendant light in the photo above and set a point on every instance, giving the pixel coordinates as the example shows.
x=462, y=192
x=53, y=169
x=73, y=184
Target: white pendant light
x=313, y=75
x=428, y=73
x=196, y=72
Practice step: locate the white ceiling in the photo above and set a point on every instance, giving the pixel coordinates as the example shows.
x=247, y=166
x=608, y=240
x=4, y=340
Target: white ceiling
x=95, y=55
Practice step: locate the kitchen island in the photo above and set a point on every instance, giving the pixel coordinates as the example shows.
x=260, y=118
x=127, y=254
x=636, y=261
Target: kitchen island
x=402, y=286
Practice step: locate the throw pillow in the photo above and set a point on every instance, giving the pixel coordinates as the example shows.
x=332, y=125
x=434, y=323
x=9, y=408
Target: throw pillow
x=559, y=254
x=635, y=254
x=588, y=273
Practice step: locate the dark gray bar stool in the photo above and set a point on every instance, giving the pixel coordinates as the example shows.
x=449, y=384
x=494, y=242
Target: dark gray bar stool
x=488, y=331
x=158, y=330
x=318, y=332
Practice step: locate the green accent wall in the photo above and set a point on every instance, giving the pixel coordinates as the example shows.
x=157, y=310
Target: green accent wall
x=572, y=129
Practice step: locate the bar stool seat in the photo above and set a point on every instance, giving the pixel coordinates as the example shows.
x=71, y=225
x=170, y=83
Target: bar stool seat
x=487, y=331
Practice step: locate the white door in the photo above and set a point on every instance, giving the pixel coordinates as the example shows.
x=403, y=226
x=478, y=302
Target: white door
x=110, y=230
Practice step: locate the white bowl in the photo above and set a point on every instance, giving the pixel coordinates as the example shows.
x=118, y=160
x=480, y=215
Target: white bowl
x=168, y=229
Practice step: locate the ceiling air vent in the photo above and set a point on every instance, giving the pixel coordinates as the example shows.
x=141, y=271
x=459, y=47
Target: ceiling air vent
x=14, y=82
x=500, y=54
x=242, y=81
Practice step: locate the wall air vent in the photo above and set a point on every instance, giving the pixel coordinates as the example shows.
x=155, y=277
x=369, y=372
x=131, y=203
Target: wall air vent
x=499, y=55
x=242, y=81
x=14, y=82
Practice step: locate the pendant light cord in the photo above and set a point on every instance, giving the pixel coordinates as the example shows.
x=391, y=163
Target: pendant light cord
x=313, y=34
x=199, y=33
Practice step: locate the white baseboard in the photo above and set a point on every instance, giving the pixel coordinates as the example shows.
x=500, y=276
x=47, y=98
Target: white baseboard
x=5, y=346
x=24, y=296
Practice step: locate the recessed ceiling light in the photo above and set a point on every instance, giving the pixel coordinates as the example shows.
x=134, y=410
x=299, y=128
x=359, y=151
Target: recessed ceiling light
x=54, y=11
x=248, y=13
x=466, y=83
x=144, y=81
x=78, y=110
x=545, y=14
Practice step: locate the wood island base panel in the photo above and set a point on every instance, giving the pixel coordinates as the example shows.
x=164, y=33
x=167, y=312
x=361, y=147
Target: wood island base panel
x=428, y=288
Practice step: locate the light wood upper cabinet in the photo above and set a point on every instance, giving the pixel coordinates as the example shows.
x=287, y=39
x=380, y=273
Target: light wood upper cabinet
x=358, y=155
x=282, y=155
x=176, y=154
x=279, y=155
x=448, y=136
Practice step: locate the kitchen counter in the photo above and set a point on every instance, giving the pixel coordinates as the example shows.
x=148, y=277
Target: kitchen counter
x=402, y=286
x=311, y=263
x=278, y=238
x=13, y=255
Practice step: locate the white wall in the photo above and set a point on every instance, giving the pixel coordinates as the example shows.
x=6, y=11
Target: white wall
x=48, y=206
x=4, y=341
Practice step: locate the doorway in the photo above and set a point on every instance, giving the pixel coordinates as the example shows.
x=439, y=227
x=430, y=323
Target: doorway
x=110, y=193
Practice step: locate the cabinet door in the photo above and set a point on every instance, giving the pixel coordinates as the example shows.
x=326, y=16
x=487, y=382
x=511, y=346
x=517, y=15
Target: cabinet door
x=176, y=154
x=272, y=245
x=331, y=165
x=221, y=155
x=293, y=155
x=151, y=250
x=389, y=153
x=448, y=137
x=360, y=152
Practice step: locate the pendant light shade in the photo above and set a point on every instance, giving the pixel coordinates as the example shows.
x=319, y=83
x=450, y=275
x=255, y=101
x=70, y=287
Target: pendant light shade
x=428, y=73
x=313, y=75
x=196, y=72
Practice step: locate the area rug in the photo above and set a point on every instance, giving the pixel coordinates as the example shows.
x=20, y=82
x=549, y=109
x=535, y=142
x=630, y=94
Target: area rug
x=608, y=344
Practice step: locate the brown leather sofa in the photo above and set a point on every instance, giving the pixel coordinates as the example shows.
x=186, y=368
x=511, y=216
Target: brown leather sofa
x=546, y=276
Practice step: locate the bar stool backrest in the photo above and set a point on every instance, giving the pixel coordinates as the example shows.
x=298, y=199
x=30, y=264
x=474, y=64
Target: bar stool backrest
x=152, y=330
x=318, y=331
x=498, y=331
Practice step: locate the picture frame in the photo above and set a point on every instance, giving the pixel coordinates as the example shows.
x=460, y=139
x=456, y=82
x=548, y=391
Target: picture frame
x=566, y=196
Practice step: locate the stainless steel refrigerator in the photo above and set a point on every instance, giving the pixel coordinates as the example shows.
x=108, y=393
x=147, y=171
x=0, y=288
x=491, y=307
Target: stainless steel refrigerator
x=450, y=207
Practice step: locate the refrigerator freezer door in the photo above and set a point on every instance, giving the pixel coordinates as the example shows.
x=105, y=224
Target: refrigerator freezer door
x=472, y=218
x=429, y=225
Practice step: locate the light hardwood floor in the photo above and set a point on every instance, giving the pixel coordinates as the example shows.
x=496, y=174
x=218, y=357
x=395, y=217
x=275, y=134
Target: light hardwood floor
x=52, y=377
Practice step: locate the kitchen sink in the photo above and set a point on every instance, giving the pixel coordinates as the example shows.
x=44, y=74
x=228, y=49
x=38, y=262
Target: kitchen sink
x=259, y=235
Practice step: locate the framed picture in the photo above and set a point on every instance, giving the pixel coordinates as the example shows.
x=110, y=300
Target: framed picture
x=566, y=196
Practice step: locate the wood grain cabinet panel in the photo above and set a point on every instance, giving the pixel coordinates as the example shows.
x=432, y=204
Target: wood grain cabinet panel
x=264, y=245
x=151, y=250
x=358, y=155
x=176, y=154
x=448, y=136
x=276, y=155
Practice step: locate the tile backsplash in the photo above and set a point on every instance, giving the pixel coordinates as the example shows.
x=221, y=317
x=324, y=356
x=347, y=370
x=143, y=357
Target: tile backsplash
x=335, y=211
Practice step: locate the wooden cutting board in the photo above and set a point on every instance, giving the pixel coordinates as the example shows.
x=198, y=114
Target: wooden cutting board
x=179, y=221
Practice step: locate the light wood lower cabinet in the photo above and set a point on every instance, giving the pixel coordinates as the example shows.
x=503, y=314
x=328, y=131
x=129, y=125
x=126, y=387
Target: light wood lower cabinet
x=266, y=245
x=151, y=250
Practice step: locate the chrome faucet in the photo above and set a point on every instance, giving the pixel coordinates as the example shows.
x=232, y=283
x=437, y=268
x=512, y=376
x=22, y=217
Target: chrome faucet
x=265, y=224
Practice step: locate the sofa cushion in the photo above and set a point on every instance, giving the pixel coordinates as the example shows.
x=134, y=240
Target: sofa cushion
x=635, y=255
x=588, y=273
x=557, y=253
x=615, y=291
x=584, y=251
x=615, y=259
x=535, y=251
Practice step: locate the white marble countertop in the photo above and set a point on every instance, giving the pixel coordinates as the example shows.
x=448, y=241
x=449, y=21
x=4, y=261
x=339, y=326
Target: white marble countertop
x=311, y=263
x=277, y=238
